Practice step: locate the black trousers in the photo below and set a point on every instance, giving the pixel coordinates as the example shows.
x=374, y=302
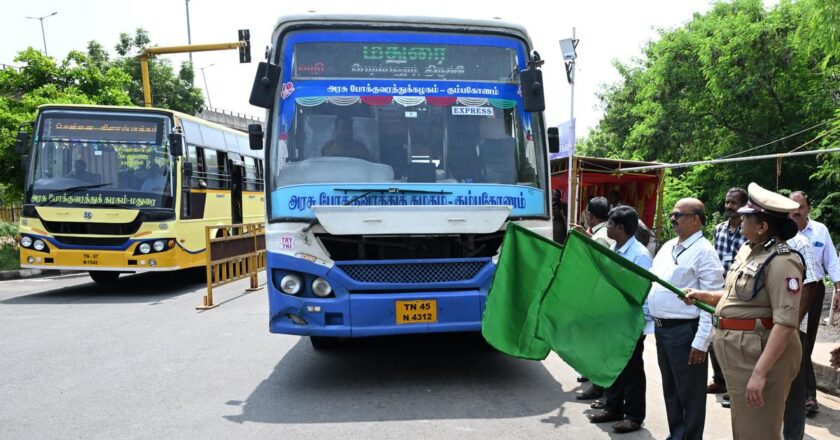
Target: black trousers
x=684, y=385
x=627, y=395
x=814, y=317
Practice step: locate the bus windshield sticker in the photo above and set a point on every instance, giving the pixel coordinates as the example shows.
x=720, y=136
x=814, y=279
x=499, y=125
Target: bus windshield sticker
x=472, y=111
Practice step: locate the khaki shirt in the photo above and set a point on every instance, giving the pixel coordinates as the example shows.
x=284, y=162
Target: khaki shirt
x=779, y=289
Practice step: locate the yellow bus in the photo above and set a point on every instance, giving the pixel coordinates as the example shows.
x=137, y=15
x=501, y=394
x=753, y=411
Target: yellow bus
x=113, y=190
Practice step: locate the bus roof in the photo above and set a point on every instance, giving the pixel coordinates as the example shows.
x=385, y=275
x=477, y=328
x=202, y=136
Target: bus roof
x=403, y=22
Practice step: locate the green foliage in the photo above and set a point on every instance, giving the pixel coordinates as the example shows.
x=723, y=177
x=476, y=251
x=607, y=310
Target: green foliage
x=9, y=253
x=736, y=77
x=82, y=78
x=8, y=229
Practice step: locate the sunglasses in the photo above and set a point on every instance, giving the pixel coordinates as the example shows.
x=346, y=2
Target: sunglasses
x=677, y=214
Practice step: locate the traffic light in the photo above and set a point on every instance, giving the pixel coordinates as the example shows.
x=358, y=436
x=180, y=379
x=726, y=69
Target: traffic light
x=245, y=49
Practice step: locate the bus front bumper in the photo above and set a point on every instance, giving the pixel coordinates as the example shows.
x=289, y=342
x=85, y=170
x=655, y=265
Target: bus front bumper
x=99, y=260
x=376, y=314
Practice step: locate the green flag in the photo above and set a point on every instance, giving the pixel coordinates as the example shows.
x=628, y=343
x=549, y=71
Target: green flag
x=591, y=314
x=525, y=270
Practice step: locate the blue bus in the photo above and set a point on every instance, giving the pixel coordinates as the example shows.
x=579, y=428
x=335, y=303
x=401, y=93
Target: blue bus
x=398, y=148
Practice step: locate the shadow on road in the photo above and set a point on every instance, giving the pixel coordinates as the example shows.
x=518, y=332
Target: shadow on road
x=140, y=288
x=827, y=418
x=441, y=376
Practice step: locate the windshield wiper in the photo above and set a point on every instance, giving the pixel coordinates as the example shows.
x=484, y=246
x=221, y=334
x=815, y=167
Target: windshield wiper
x=366, y=191
x=73, y=189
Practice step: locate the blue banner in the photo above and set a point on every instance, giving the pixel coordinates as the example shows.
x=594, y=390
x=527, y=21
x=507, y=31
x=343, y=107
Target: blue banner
x=297, y=201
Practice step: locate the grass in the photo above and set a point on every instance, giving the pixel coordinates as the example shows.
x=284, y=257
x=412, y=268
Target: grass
x=9, y=253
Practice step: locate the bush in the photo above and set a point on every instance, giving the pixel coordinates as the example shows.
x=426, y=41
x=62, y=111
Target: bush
x=9, y=253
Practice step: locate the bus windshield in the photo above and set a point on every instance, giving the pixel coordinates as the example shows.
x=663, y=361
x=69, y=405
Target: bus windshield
x=101, y=159
x=433, y=109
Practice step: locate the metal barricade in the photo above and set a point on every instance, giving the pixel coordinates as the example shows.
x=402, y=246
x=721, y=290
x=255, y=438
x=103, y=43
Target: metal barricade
x=237, y=252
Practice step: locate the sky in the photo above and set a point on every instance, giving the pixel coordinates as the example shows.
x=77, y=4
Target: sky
x=608, y=30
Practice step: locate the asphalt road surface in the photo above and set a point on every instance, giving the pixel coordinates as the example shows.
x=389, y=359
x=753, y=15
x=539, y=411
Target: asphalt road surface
x=139, y=361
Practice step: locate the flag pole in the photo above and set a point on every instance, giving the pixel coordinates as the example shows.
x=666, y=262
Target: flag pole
x=703, y=306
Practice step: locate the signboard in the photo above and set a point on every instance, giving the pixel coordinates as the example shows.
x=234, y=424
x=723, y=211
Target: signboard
x=404, y=61
x=102, y=129
x=567, y=140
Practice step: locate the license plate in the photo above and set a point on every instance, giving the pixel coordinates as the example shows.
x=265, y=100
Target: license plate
x=416, y=312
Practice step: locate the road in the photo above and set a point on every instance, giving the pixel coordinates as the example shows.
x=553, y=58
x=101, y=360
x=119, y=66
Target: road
x=139, y=361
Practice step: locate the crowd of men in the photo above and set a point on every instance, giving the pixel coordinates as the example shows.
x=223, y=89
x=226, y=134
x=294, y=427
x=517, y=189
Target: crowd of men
x=682, y=331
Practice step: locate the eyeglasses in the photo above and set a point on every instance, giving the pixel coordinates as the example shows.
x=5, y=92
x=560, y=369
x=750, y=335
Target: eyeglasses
x=677, y=214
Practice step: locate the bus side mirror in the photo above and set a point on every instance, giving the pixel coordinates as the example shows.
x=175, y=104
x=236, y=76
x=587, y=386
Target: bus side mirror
x=533, y=95
x=553, y=140
x=255, y=136
x=265, y=85
x=176, y=144
x=22, y=141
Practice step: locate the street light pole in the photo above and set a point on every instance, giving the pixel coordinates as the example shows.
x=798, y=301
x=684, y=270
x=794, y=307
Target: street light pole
x=189, y=35
x=43, y=35
x=568, y=48
x=207, y=89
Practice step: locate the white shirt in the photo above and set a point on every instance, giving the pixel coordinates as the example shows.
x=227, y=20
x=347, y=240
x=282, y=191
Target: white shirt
x=824, y=252
x=693, y=263
x=801, y=244
x=599, y=234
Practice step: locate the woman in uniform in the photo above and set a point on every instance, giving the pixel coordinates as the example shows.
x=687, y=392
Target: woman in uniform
x=756, y=317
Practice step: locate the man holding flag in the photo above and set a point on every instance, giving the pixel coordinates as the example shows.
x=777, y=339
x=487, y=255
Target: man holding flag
x=626, y=397
x=683, y=332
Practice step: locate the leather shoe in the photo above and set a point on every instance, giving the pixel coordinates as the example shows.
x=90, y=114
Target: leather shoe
x=605, y=416
x=715, y=388
x=582, y=379
x=594, y=392
x=626, y=426
x=598, y=404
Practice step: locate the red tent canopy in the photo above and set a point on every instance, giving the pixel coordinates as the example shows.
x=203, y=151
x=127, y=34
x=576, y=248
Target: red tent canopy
x=598, y=177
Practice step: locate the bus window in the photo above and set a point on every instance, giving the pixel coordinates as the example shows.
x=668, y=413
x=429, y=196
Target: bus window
x=250, y=174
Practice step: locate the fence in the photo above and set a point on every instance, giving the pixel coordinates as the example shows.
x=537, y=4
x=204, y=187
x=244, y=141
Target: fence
x=10, y=213
x=236, y=253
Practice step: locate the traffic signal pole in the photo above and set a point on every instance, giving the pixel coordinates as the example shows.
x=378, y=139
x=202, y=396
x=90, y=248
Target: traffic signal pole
x=244, y=46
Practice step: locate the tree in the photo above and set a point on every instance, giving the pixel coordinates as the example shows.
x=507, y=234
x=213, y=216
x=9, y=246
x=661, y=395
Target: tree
x=736, y=77
x=81, y=78
x=170, y=91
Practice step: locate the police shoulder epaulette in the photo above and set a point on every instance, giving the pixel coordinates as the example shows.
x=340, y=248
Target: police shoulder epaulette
x=782, y=248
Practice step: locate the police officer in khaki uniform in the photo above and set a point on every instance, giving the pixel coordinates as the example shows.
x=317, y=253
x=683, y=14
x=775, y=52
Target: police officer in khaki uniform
x=758, y=307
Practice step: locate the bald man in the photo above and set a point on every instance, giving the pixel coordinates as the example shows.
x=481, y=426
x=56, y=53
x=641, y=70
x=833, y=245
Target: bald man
x=683, y=332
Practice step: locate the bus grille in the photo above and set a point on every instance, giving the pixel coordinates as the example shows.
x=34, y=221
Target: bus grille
x=93, y=228
x=91, y=241
x=413, y=273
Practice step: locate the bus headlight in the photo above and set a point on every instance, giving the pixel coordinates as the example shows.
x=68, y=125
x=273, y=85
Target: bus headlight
x=159, y=245
x=38, y=245
x=320, y=287
x=291, y=284
x=144, y=248
x=26, y=241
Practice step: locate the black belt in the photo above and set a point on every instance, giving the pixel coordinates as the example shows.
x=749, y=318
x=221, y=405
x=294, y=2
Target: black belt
x=660, y=322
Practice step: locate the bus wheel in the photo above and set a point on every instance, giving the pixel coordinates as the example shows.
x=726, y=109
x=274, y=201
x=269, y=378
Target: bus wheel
x=102, y=277
x=323, y=342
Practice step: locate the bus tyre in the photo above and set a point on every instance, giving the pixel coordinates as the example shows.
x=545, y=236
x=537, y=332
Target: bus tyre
x=323, y=342
x=102, y=277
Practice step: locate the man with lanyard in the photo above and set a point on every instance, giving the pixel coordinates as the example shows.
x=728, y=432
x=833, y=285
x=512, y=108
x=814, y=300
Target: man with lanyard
x=826, y=263
x=596, y=215
x=728, y=240
x=683, y=332
x=625, y=401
